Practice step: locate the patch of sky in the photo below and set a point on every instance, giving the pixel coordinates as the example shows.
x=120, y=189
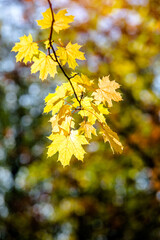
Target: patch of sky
x=156, y=85
x=80, y=13
x=100, y=39
x=46, y=210
x=6, y=181
x=2, y=154
x=37, y=150
x=93, y=147
x=12, y=14
x=131, y=17
x=138, y=2
x=60, y=3
x=7, y=64
x=115, y=34
x=142, y=180
x=9, y=142
x=105, y=24
x=65, y=232
x=93, y=63
x=20, y=180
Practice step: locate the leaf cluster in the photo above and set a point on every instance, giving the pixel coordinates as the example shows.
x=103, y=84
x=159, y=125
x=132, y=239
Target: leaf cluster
x=79, y=96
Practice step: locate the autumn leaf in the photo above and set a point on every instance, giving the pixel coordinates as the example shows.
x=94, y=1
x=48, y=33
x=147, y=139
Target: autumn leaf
x=67, y=146
x=54, y=101
x=60, y=20
x=89, y=110
x=107, y=92
x=55, y=124
x=79, y=95
x=67, y=125
x=65, y=111
x=63, y=120
x=88, y=129
x=112, y=138
x=26, y=49
x=103, y=109
x=78, y=88
x=69, y=54
x=62, y=126
x=45, y=64
x=83, y=80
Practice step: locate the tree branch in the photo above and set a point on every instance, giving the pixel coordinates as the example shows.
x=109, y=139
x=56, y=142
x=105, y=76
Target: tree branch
x=56, y=58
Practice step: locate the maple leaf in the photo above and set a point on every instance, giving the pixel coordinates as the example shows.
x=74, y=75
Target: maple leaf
x=47, y=44
x=60, y=20
x=78, y=95
x=63, y=120
x=112, y=138
x=83, y=80
x=87, y=110
x=65, y=111
x=87, y=129
x=106, y=92
x=90, y=110
x=67, y=125
x=26, y=49
x=45, y=64
x=69, y=54
x=54, y=101
x=102, y=109
x=62, y=126
x=67, y=146
x=78, y=89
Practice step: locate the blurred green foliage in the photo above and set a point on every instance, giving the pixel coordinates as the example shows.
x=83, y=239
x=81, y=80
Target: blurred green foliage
x=107, y=197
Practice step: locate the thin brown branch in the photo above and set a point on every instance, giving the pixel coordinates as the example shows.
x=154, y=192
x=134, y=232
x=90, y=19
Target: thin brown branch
x=56, y=58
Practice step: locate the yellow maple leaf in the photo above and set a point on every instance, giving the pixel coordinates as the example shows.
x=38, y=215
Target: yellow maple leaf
x=63, y=120
x=69, y=54
x=67, y=124
x=83, y=80
x=102, y=109
x=26, y=49
x=57, y=139
x=85, y=102
x=62, y=126
x=47, y=44
x=45, y=64
x=65, y=111
x=107, y=92
x=67, y=146
x=90, y=110
x=78, y=89
x=112, y=138
x=61, y=21
x=88, y=129
x=55, y=125
x=87, y=110
x=54, y=101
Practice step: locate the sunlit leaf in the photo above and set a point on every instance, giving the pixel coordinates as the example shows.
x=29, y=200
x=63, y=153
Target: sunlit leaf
x=107, y=92
x=67, y=146
x=69, y=54
x=61, y=21
x=26, y=49
x=45, y=64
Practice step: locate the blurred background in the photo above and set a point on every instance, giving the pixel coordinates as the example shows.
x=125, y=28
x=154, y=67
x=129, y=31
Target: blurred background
x=108, y=197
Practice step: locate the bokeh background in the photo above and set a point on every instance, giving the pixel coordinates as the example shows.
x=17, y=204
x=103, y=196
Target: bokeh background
x=108, y=197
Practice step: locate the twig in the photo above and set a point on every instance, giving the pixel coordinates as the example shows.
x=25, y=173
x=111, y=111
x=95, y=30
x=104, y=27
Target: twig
x=56, y=58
